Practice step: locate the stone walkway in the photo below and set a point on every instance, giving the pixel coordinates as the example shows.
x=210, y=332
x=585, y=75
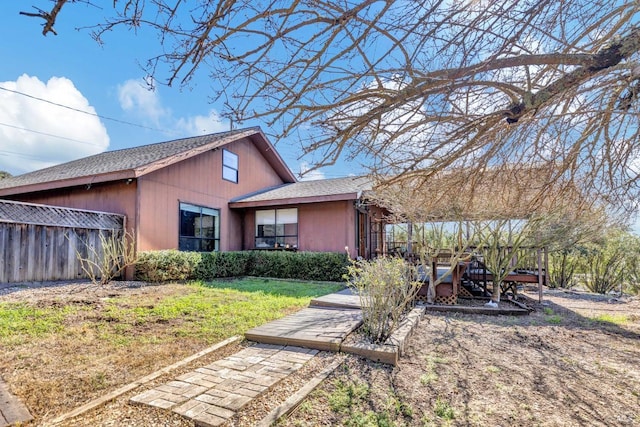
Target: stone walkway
x=212, y=394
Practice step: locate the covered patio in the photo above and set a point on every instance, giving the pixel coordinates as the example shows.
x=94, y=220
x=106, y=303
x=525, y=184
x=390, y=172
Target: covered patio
x=465, y=232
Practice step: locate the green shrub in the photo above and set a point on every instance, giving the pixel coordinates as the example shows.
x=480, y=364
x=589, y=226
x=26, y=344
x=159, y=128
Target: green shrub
x=223, y=264
x=167, y=265
x=160, y=266
x=444, y=410
x=323, y=266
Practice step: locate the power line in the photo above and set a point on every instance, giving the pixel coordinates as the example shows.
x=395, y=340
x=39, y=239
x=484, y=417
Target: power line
x=48, y=134
x=85, y=112
x=27, y=156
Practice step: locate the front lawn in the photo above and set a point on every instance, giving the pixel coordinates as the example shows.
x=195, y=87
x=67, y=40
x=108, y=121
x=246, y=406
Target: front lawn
x=63, y=346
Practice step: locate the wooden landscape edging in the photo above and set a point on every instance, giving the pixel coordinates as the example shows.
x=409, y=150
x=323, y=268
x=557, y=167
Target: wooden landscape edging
x=478, y=310
x=40, y=243
x=12, y=410
x=141, y=381
x=394, y=347
x=295, y=399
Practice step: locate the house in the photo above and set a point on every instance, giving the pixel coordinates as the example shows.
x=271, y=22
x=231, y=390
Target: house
x=323, y=215
x=220, y=192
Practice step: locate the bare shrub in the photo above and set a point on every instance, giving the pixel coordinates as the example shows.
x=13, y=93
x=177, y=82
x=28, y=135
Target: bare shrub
x=387, y=289
x=109, y=258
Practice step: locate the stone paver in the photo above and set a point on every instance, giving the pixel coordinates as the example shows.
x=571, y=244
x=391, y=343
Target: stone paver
x=212, y=394
x=12, y=410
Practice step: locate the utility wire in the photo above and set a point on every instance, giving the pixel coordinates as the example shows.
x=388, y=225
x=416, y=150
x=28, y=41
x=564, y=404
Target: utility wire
x=48, y=134
x=85, y=112
x=27, y=156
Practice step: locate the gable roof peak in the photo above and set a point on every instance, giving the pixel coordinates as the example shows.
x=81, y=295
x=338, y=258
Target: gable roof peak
x=132, y=162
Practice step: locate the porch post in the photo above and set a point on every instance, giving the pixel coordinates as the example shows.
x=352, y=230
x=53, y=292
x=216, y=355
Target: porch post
x=540, y=278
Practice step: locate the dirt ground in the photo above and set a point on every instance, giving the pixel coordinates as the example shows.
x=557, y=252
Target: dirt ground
x=555, y=367
x=575, y=361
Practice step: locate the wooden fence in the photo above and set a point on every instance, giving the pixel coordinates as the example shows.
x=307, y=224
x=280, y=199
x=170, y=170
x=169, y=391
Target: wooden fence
x=41, y=243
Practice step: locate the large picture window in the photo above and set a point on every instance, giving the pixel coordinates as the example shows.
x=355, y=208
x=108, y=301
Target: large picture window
x=277, y=228
x=199, y=228
x=229, y=166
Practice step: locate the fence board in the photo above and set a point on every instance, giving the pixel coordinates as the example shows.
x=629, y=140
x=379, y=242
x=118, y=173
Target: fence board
x=4, y=242
x=34, y=248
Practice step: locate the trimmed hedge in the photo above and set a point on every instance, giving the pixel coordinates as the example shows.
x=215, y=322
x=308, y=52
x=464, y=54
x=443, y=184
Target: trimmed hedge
x=166, y=265
x=162, y=266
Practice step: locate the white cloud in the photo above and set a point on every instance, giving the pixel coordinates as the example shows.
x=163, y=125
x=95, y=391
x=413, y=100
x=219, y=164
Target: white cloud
x=36, y=134
x=137, y=98
x=307, y=175
x=201, y=125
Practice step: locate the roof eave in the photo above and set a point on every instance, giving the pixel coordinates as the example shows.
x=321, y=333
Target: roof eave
x=273, y=157
x=293, y=201
x=72, y=182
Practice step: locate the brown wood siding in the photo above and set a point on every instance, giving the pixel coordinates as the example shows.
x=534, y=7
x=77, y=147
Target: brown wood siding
x=199, y=181
x=322, y=227
x=327, y=227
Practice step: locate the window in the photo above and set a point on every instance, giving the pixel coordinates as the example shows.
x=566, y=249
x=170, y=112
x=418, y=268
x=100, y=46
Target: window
x=229, y=166
x=199, y=228
x=277, y=228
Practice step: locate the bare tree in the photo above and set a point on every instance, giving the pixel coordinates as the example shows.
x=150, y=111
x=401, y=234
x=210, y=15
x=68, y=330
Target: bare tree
x=501, y=245
x=501, y=217
x=49, y=17
x=420, y=86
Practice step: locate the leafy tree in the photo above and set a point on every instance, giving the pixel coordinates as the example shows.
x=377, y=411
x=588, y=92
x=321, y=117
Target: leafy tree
x=418, y=86
x=632, y=268
x=567, y=236
x=4, y=174
x=612, y=263
x=563, y=265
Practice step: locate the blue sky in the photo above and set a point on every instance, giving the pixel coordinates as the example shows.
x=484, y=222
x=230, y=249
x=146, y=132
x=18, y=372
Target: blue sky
x=74, y=71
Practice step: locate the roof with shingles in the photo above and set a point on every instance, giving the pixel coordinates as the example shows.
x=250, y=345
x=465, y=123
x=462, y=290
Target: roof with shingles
x=347, y=188
x=130, y=162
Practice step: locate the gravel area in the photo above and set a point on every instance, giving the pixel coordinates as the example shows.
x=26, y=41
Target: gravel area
x=35, y=290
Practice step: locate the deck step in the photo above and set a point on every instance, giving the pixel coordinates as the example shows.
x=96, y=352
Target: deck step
x=320, y=328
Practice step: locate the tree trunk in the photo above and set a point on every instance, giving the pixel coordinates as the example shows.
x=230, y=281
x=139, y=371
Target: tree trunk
x=431, y=290
x=563, y=274
x=497, y=290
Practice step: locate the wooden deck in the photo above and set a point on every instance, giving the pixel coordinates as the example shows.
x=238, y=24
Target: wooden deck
x=342, y=299
x=320, y=328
